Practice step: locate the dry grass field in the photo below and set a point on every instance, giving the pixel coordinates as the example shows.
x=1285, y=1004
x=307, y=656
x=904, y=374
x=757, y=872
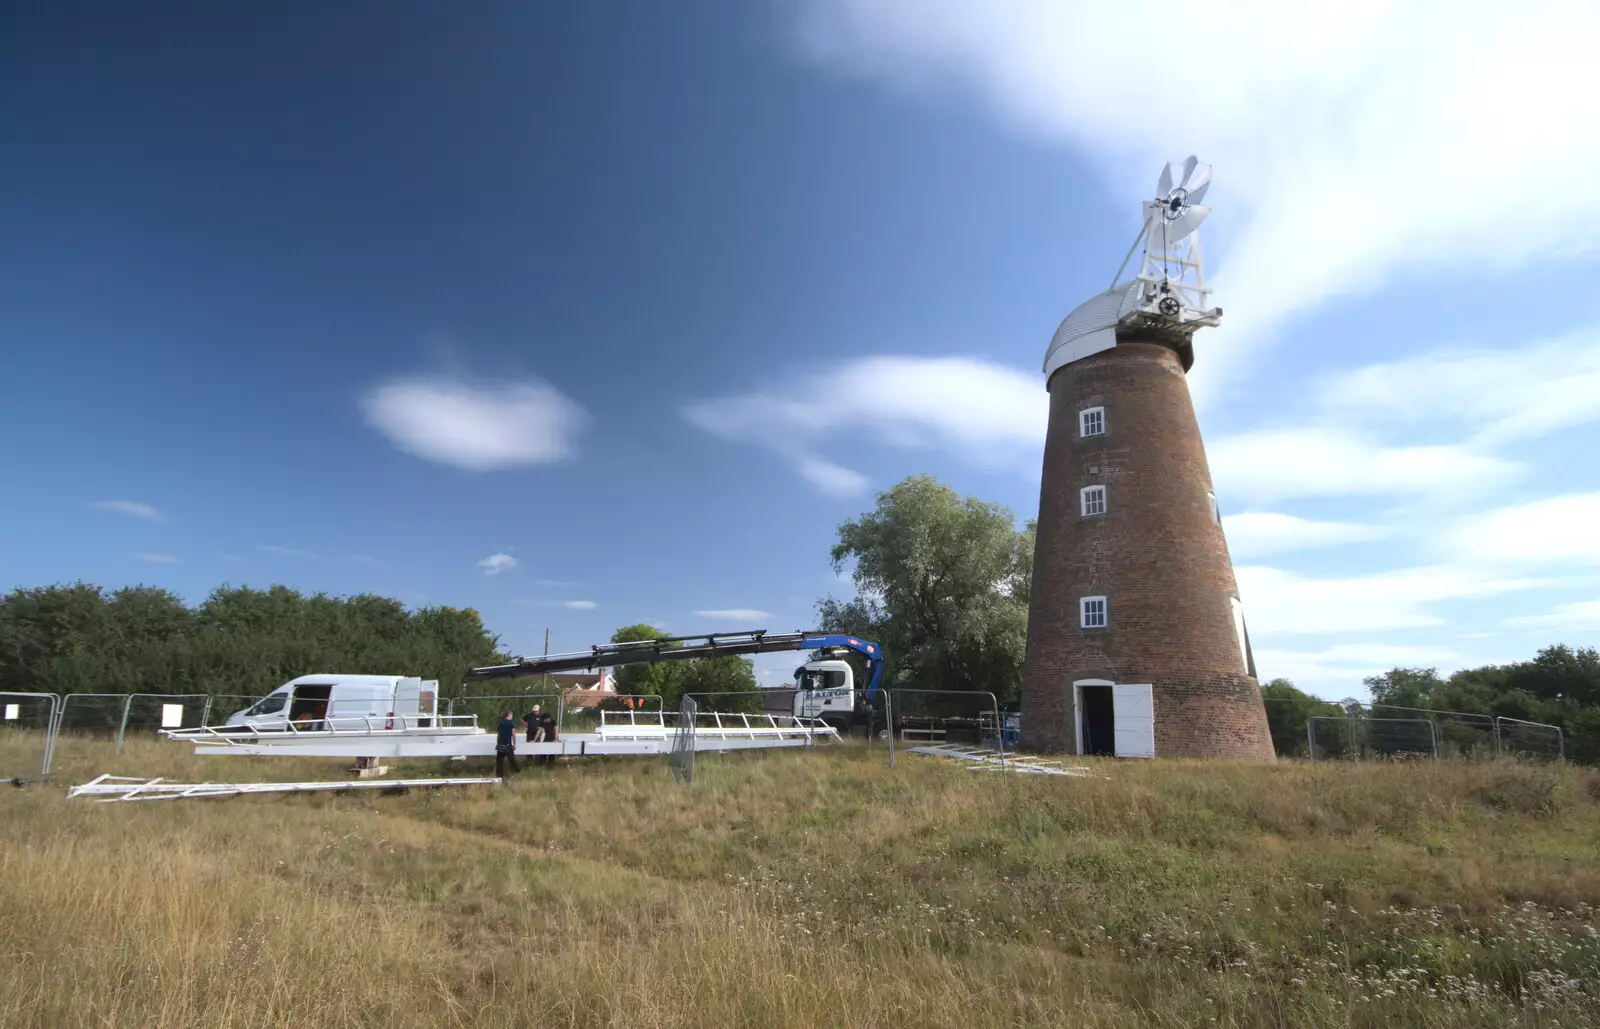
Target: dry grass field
x=808, y=889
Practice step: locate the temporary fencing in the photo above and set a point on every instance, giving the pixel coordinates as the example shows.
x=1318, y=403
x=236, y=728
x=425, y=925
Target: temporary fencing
x=1530, y=739
x=680, y=759
x=28, y=726
x=949, y=716
x=1330, y=737
x=1423, y=732
x=117, y=714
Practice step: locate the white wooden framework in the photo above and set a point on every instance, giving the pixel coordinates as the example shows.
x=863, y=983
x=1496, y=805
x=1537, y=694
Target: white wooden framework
x=986, y=759
x=111, y=789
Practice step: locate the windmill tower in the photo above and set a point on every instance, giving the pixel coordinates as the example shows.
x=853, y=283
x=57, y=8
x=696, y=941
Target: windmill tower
x=1136, y=638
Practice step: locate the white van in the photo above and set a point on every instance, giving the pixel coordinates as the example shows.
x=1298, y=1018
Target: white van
x=351, y=702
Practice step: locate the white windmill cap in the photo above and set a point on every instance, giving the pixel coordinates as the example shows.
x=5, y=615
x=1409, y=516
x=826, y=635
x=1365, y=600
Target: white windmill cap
x=1092, y=325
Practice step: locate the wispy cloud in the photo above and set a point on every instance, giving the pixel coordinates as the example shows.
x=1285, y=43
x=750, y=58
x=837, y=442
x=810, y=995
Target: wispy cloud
x=494, y=564
x=1331, y=460
x=155, y=559
x=1258, y=533
x=1494, y=396
x=1555, y=531
x=268, y=548
x=579, y=605
x=1281, y=601
x=1375, y=106
x=736, y=614
x=1444, y=424
x=480, y=426
x=132, y=508
x=987, y=413
x=1585, y=614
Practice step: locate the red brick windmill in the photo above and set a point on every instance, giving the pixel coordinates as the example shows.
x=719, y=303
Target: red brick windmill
x=1136, y=637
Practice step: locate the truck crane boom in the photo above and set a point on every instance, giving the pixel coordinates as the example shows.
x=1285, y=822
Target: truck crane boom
x=683, y=648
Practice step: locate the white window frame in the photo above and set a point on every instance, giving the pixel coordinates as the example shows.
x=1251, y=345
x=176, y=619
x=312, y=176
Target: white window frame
x=1087, y=496
x=1216, y=512
x=1096, y=413
x=1083, y=612
x=1237, y=607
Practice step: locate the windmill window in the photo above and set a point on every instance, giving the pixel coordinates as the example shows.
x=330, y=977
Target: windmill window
x=1216, y=513
x=1092, y=421
x=1092, y=500
x=1092, y=611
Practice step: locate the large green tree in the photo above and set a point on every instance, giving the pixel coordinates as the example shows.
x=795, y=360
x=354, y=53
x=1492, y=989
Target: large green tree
x=942, y=583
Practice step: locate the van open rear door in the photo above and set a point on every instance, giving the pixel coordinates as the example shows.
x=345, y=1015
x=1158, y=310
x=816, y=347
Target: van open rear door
x=407, y=698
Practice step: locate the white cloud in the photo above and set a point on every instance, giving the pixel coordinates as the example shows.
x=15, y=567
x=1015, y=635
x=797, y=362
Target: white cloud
x=1584, y=614
x=736, y=614
x=1318, y=460
x=132, y=508
x=155, y=559
x=1280, y=601
x=284, y=551
x=494, y=564
x=1502, y=395
x=989, y=413
x=579, y=605
x=1258, y=533
x=477, y=426
x=1400, y=139
x=1554, y=531
x=1338, y=670
x=832, y=479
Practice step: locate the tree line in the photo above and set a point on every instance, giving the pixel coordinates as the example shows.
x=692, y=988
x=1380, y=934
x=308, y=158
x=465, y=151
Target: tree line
x=1560, y=686
x=80, y=638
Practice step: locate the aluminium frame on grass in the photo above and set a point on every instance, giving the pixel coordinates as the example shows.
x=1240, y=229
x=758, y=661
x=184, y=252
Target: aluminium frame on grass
x=994, y=705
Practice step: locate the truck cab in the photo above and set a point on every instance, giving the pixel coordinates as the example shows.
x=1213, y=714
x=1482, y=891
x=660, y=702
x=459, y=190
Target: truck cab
x=825, y=689
x=327, y=701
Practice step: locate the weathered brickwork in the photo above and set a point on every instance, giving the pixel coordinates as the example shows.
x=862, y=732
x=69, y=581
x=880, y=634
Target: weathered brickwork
x=1157, y=555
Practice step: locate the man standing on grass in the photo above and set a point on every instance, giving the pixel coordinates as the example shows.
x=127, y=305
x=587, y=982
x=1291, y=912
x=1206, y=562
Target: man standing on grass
x=505, y=746
x=547, y=732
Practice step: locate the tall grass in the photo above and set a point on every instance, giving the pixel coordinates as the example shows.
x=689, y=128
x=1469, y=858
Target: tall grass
x=809, y=888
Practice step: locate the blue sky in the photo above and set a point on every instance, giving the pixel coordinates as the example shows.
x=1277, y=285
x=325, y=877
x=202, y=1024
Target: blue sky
x=592, y=316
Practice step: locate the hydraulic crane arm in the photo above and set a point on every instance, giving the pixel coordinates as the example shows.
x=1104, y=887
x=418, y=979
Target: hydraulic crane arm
x=683, y=648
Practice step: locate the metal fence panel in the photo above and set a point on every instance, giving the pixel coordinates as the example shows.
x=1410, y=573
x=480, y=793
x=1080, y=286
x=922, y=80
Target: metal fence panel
x=1530, y=739
x=680, y=759
x=28, y=723
x=1330, y=738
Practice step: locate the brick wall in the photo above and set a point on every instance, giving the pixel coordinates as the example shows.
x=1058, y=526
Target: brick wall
x=1157, y=555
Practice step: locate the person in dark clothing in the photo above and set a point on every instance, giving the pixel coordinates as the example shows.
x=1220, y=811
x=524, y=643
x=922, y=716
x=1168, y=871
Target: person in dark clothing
x=547, y=730
x=505, y=746
x=541, y=729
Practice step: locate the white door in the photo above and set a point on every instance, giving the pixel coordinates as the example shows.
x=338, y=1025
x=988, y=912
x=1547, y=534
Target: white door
x=1134, y=720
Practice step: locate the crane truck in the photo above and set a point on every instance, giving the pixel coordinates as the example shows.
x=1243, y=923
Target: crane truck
x=825, y=686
